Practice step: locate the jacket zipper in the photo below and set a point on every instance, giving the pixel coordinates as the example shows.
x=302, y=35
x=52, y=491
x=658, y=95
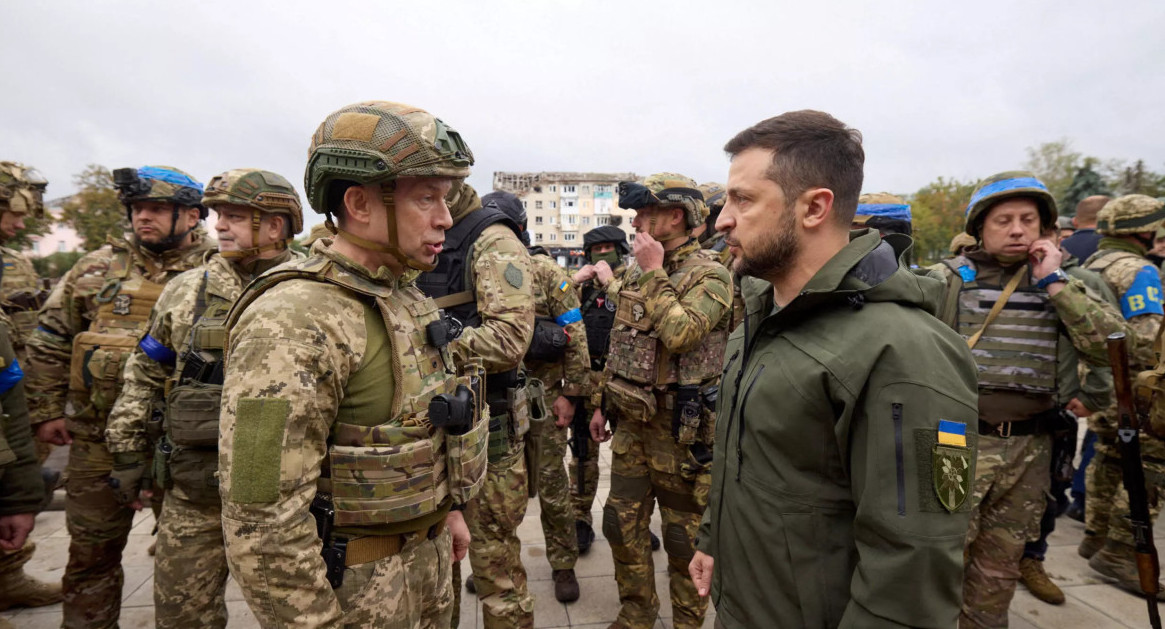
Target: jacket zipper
x=740, y=429
x=899, y=462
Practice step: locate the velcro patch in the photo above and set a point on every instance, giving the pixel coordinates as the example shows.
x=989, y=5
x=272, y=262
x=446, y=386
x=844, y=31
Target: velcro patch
x=1144, y=295
x=513, y=275
x=929, y=458
x=353, y=125
x=258, y=449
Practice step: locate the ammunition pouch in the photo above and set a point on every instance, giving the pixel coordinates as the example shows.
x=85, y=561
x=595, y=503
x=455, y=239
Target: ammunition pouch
x=533, y=454
x=466, y=453
x=192, y=412
x=95, y=380
x=633, y=402
x=549, y=341
x=192, y=471
x=162, y=452
x=709, y=396
x=688, y=414
x=202, y=366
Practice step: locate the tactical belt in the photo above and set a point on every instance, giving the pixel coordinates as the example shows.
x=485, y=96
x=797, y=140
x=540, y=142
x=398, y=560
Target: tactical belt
x=374, y=548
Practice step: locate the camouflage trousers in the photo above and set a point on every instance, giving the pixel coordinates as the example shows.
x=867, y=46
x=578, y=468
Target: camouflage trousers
x=646, y=467
x=409, y=590
x=584, y=501
x=495, y=552
x=1116, y=526
x=1011, y=481
x=12, y=561
x=190, y=565
x=554, y=496
x=1102, y=481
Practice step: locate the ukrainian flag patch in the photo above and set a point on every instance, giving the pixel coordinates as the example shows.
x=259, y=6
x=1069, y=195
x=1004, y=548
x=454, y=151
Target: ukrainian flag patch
x=564, y=286
x=952, y=433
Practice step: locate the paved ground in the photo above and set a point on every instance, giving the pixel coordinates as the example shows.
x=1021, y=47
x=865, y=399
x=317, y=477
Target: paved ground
x=1091, y=604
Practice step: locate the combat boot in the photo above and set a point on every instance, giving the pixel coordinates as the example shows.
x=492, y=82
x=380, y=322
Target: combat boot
x=469, y=585
x=20, y=590
x=565, y=586
x=586, y=536
x=1090, y=544
x=1032, y=574
x=1118, y=561
x=654, y=541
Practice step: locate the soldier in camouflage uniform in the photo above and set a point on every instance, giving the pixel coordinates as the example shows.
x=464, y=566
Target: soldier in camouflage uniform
x=21, y=489
x=482, y=280
x=663, y=367
x=605, y=247
x=21, y=195
x=340, y=385
x=1017, y=356
x=90, y=324
x=177, y=367
x=557, y=358
x=1127, y=226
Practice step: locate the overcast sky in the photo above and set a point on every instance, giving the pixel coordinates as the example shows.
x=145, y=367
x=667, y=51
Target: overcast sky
x=571, y=85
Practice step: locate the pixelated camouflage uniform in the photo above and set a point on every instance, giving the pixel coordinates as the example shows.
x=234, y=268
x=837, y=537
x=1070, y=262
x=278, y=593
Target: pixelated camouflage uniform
x=316, y=398
x=555, y=297
x=1012, y=472
x=688, y=303
x=108, y=292
x=190, y=568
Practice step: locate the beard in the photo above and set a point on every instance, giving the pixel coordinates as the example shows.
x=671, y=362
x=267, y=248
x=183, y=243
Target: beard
x=774, y=255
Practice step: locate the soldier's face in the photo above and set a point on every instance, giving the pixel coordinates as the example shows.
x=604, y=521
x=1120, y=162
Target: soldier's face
x=153, y=220
x=760, y=226
x=11, y=224
x=1010, y=228
x=421, y=216
x=233, y=228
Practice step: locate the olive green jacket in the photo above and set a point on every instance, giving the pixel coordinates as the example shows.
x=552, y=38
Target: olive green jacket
x=823, y=509
x=21, y=487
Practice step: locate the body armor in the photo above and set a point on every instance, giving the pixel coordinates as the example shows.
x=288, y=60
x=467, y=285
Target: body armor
x=395, y=468
x=598, y=313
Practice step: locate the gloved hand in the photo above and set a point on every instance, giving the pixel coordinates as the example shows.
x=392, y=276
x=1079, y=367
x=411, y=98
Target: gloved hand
x=128, y=477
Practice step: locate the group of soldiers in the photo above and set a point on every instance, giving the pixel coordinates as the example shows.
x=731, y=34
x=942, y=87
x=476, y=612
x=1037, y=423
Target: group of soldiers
x=337, y=430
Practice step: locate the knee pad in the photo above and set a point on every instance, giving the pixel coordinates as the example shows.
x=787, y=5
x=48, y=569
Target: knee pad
x=611, y=528
x=677, y=543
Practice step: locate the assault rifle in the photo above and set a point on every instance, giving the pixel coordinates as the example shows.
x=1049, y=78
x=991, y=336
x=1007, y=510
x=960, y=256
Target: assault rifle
x=1129, y=446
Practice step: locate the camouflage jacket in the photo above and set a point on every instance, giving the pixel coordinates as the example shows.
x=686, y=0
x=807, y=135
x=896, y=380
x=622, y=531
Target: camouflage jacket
x=21, y=487
x=555, y=297
x=1121, y=264
x=72, y=307
x=505, y=301
x=170, y=323
x=20, y=296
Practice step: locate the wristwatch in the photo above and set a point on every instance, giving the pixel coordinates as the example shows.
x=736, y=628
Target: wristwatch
x=1055, y=276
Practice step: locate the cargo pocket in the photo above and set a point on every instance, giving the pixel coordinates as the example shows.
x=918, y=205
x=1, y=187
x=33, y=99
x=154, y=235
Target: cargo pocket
x=467, y=462
x=193, y=472
x=192, y=415
x=392, y=481
x=634, y=403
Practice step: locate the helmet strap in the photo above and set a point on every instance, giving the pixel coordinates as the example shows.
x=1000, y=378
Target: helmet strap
x=393, y=247
x=255, y=248
x=169, y=242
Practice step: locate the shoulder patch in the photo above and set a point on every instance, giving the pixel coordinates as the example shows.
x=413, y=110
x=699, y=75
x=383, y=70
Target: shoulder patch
x=1144, y=295
x=513, y=275
x=951, y=465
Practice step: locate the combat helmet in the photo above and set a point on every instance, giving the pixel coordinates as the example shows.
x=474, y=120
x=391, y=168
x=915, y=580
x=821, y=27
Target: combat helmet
x=164, y=184
x=1130, y=214
x=1009, y=185
x=961, y=242
x=665, y=190
x=21, y=189
x=264, y=192
x=509, y=204
x=887, y=213
x=378, y=142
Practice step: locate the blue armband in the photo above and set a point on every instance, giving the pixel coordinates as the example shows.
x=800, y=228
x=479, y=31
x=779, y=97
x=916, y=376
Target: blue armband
x=11, y=376
x=568, y=317
x=153, y=348
x=968, y=273
x=1144, y=296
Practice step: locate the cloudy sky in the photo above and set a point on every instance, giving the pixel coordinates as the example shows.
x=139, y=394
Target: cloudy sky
x=572, y=85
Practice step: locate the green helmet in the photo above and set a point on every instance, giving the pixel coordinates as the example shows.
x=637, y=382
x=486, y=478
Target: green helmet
x=666, y=190
x=1009, y=185
x=21, y=189
x=1130, y=214
x=265, y=193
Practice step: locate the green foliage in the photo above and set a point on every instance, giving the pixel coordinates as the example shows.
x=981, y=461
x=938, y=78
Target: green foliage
x=1137, y=179
x=938, y=211
x=1086, y=183
x=94, y=212
x=1055, y=164
x=32, y=227
x=55, y=265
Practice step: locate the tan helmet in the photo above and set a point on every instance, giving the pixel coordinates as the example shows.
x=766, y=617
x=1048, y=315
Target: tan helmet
x=714, y=196
x=961, y=241
x=462, y=199
x=1130, y=214
x=666, y=190
x=264, y=192
x=21, y=189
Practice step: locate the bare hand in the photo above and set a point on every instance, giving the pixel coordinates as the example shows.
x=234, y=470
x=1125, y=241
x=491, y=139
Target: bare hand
x=599, y=432
x=648, y=252
x=1078, y=408
x=604, y=273
x=564, y=409
x=460, y=533
x=701, y=571
x=14, y=530
x=54, y=431
x=583, y=274
x=1045, y=258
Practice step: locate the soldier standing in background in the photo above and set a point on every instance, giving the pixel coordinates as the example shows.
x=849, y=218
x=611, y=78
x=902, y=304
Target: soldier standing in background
x=173, y=386
x=340, y=385
x=91, y=322
x=674, y=306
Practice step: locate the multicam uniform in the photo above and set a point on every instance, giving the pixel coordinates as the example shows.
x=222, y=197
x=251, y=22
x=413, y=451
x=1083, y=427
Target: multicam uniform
x=484, y=282
x=665, y=354
x=88, y=327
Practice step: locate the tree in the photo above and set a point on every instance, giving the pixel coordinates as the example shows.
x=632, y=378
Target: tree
x=32, y=227
x=1137, y=179
x=54, y=265
x=938, y=213
x=94, y=212
x=1055, y=164
x=1086, y=183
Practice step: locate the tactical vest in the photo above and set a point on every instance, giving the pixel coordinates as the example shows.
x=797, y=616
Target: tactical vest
x=598, y=313
x=21, y=296
x=1017, y=352
x=397, y=469
x=99, y=354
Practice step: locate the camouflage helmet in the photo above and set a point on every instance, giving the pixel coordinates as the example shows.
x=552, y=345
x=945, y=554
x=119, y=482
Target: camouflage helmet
x=666, y=190
x=713, y=195
x=21, y=189
x=462, y=199
x=264, y=192
x=961, y=241
x=157, y=183
x=318, y=231
x=1009, y=185
x=1130, y=214
x=377, y=141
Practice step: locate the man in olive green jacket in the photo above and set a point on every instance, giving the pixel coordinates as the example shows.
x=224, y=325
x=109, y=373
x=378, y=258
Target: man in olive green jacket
x=842, y=463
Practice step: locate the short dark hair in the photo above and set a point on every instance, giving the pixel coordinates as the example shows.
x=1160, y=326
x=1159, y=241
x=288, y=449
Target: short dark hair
x=810, y=149
x=334, y=198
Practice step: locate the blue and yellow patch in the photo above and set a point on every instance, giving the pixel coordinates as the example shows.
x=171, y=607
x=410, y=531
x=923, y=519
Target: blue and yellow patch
x=564, y=286
x=1144, y=295
x=952, y=433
